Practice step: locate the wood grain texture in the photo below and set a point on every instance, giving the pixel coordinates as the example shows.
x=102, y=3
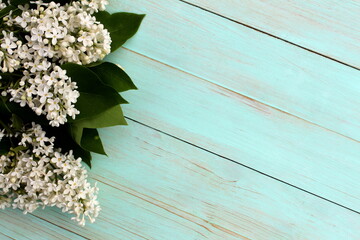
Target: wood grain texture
x=156, y=187
x=328, y=27
x=15, y=225
x=248, y=62
x=257, y=100
x=244, y=130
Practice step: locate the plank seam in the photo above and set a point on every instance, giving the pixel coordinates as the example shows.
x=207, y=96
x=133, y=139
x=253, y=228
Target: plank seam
x=7, y=236
x=59, y=226
x=271, y=35
x=245, y=96
x=127, y=230
x=168, y=210
x=243, y=165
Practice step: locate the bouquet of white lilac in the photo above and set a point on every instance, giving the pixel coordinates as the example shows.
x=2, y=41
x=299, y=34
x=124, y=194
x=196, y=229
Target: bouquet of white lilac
x=56, y=90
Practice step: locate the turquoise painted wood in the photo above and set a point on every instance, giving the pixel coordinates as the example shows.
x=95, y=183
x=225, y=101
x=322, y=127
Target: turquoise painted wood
x=15, y=225
x=236, y=92
x=330, y=28
x=244, y=130
x=253, y=64
x=171, y=190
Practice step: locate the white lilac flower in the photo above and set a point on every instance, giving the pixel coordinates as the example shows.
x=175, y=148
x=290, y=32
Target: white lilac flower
x=2, y=5
x=48, y=92
x=82, y=40
x=93, y=5
x=40, y=175
x=52, y=39
x=8, y=52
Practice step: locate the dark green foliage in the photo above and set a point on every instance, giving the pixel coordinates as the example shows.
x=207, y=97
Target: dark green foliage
x=121, y=26
x=99, y=103
x=113, y=76
x=99, y=85
x=95, y=97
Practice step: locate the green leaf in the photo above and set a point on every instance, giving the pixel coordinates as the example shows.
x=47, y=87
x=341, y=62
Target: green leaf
x=26, y=114
x=4, y=110
x=81, y=129
x=90, y=104
x=121, y=26
x=93, y=64
x=64, y=137
x=95, y=97
x=111, y=117
x=18, y=148
x=5, y=146
x=76, y=132
x=17, y=122
x=113, y=76
x=65, y=140
x=91, y=141
x=6, y=10
x=83, y=154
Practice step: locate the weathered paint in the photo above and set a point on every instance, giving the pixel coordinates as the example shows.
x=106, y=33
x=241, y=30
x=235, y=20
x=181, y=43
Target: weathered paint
x=156, y=187
x=257, y=100
x=246, y=61
x=330, y=27
x=15, y=225
x=244, y=130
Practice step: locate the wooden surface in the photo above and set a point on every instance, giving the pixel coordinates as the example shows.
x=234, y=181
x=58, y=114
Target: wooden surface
x=246, y=125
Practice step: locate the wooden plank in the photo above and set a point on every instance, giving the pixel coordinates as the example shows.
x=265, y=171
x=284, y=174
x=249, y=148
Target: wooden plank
x=156, y=187
x=181, y=197
x=328, y=27
x=4, y=236
x=248, y=62
x=15, y=225
x=243, y=130
x=127, y=215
